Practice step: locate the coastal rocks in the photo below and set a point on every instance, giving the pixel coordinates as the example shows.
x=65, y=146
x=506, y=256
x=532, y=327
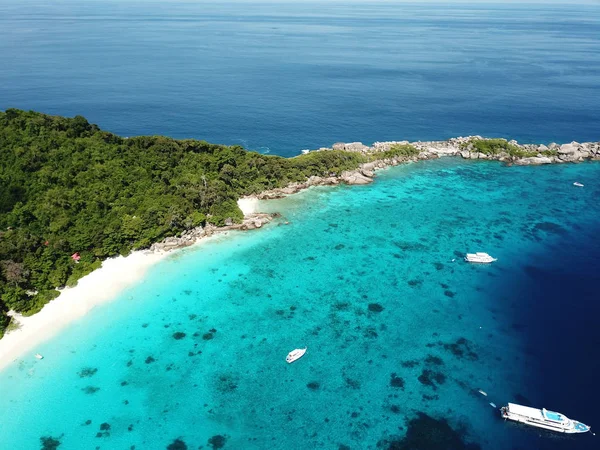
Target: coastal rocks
x=533, y=161
x=356, y=177
x=351, y=147
x=189, y=237
x=568, y=148
x=186, y=239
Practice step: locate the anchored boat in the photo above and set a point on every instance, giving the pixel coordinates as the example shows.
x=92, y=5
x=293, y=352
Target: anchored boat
x=295, y=354
x=542, y=418
x=479, y=257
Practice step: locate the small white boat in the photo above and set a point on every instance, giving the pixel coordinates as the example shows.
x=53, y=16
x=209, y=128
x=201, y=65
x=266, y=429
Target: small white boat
x=295, y=354
x=38, y=356
x=577, y=184
x=482, y=392
x=479, y=257
x=542, y=418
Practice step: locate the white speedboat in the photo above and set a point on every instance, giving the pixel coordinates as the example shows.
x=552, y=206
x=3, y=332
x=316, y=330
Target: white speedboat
x=38, y=356
x=295, y=354
x=578, y=184
x=542, y=418
x=479, y=257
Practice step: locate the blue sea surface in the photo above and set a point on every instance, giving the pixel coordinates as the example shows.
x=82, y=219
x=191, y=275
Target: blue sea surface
x=284, y=76
x=370, y=279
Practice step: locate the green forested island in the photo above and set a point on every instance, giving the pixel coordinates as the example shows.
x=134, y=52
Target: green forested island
x=68, y=187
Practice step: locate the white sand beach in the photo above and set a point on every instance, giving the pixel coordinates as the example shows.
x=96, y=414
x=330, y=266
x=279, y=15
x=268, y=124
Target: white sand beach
x=98, y=287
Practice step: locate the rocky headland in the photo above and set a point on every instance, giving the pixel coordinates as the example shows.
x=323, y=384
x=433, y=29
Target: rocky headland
x=381, y=155
x=509, y=152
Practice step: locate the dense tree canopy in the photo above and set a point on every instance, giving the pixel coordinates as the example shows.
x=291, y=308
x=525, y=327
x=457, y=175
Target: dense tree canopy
x=68, y=187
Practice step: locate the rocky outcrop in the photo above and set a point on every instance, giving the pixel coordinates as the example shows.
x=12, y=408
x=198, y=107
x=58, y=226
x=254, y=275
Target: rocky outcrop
x=460, y=146
x=463, y=147
x=534, y=161
x=357, y=177
x=190, y=237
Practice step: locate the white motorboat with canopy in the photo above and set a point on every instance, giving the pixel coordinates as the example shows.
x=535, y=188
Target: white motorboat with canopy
x=295, y=354
x=479, y=257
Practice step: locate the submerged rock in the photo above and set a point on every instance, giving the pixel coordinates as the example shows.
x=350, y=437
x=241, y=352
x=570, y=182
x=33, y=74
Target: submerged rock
x=217, y=441
x=177, y=444
x=49, y=443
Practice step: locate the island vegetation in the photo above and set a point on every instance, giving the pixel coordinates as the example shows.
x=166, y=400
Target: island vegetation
x=492, y=147
x=72, y=195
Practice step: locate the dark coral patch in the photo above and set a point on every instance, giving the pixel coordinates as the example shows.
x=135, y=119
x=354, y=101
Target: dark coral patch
x=49, y=443
x=87, y=372
x=431, y=378
x=313, y=385
x=550, y=227
x=149, y=360
x=341, y=306
x=370, y=333
x=396, y=381
x=208, y=336
x=375, y=307
x=409, y=246
x=425, y=432
x=409, y=364
x=462, y=349
x=415, y=283
x=438, y=266
x=227, y=383
x=449, y=293
x=177, y=444
x=179, y=335
x=105, y=426
x=90, y=389
x=352, y=384
x=217, y=441
x=339, y=246
x=436, y=360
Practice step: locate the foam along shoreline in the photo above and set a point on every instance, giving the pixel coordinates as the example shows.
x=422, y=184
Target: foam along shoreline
x=100, y=286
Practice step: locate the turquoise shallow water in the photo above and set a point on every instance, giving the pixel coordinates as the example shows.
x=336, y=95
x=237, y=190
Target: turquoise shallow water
x=370, y=279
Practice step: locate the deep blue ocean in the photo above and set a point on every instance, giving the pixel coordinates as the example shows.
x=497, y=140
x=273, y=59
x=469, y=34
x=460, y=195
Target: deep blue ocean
x=285, y=76
x=369, y=278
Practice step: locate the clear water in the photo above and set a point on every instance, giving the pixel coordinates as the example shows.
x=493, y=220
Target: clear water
x=283, y=76
x=522, y=327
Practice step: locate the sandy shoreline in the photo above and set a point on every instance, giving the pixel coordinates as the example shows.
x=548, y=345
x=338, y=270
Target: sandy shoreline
x=101, y=286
